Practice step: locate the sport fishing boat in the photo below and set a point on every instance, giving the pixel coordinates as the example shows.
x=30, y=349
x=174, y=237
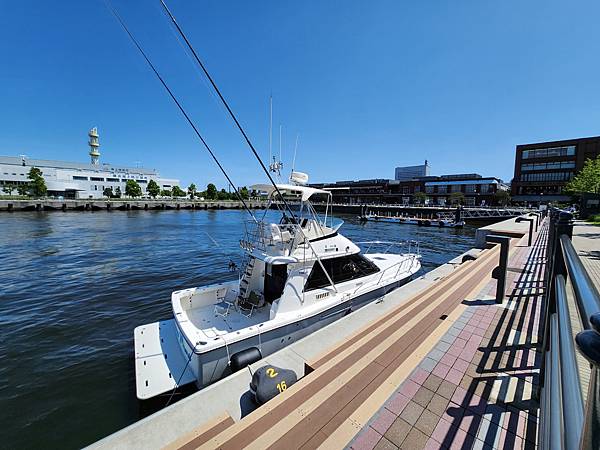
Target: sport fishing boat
x=298, y=275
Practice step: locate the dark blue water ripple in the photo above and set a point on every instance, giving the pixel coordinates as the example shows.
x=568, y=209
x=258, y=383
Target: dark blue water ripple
x=73, y=286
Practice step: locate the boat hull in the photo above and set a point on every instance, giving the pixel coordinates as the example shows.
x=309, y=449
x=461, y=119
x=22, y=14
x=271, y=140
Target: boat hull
x=213, y=365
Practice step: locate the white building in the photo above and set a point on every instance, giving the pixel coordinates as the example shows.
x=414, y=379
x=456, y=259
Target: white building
x=408, y=173
x=79, y=180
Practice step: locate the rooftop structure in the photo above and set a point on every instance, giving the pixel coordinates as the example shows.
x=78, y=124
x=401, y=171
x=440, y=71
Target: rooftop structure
x=409, y=172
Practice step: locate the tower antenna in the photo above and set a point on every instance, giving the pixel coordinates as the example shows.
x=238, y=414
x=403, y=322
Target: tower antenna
x=295, y=149
x=94, y=145
x=270, y=126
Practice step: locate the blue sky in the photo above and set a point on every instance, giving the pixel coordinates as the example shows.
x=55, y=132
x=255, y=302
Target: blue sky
x=367, y=85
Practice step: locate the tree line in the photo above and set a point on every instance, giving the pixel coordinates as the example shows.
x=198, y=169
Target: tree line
x=133, y=189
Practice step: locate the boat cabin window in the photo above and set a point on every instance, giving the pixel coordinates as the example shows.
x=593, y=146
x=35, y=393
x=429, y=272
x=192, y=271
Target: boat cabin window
x=344, y=268
x=275, y=278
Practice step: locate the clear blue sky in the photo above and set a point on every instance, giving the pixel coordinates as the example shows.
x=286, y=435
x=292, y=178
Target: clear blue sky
x=368, y=85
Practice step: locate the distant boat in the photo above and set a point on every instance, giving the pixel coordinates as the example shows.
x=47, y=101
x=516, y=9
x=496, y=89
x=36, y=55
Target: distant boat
x=300, y=275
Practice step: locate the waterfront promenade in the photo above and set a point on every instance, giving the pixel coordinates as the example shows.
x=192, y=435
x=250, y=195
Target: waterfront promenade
x=475, y=388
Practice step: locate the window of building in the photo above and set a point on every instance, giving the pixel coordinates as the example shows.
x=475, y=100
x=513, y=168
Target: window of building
x=96, y=179
x=485, y=188
x=549, y=152
x=405, y=190
x=470, y=188
x=455, y=188
x=141, y=181
x=442, y=189
x=567, y=165
x=429, y=189
x=112, y=180
x=344, y=268
x=76, y=177
x=417, y=188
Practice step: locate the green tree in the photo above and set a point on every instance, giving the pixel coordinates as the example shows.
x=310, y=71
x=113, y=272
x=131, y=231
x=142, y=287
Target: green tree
x=223, y=195
x=23, y=189
x=419, y=197
x=118, y=192
x=588, y=180
x=108, y=192
x=177, y=192
x=192, y=191
x=153, y=188
x=37, y=183
x=457, y=198
x=165, y=193
x=244, y=193
x=211, y=192
x=9, y=188
x=133, y=189
x=502, y=197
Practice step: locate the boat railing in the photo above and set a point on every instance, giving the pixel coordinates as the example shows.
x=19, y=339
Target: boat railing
x=409, y=246
x=259, y=235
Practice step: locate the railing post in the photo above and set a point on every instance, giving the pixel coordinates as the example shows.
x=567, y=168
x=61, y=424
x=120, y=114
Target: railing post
x=525, y=219
x=499, y=272
x=588, y=343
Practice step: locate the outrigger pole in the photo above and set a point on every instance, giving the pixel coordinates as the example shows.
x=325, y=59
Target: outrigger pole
x=239, y=126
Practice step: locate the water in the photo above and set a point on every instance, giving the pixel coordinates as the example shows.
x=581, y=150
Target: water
x=73, y=286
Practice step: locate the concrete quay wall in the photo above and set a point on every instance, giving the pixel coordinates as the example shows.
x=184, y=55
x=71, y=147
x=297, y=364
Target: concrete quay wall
x=121, y=205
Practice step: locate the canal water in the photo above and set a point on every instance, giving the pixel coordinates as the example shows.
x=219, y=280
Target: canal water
x=73, y=286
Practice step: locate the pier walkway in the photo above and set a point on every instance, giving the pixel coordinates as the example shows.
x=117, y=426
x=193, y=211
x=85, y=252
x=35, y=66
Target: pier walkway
x=448, y=368
x=475, y=389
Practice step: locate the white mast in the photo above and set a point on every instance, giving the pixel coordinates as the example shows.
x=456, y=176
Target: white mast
x=270, y=127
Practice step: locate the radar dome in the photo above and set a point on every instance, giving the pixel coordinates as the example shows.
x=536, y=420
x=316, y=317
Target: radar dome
x=299, y=178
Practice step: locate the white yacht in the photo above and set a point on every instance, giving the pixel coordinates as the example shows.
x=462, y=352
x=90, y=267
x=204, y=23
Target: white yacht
x=299, y=275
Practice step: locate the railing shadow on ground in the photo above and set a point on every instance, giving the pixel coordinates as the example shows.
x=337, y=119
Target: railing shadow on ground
x=500, y=395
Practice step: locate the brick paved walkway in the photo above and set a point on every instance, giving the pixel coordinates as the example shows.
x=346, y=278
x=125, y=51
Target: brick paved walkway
x=474, y=390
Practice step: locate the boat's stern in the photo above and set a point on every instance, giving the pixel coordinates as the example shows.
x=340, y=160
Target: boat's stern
x=160, y=365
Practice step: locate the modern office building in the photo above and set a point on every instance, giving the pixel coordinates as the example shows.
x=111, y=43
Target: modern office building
x=79, y=180
x=409, y=172
x=543, y=169
x=477, y=190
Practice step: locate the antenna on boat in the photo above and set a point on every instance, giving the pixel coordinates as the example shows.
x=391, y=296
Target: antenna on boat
x=270, y=126
x=295, y=150
x=276, y=166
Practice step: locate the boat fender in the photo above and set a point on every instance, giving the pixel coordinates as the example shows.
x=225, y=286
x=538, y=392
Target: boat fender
x=244, y=358
x=268, y=381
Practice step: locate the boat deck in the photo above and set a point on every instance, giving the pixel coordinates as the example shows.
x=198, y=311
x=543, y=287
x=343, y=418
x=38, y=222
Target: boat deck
x=211, y=325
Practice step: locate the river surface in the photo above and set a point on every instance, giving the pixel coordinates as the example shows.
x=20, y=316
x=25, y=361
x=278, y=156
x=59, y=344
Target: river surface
x=73, y=286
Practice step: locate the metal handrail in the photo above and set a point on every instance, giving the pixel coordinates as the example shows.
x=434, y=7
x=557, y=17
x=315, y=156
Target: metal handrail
x=586, y=294
x=567, y=421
